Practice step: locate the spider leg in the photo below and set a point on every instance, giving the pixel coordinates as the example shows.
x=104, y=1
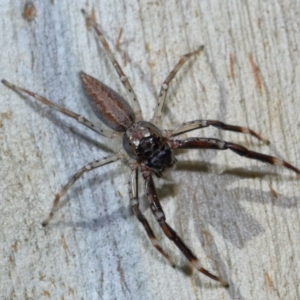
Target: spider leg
x=193, y=125
x=79, y=173
x=133, y=99
x=165, y=86
x=168, y=231
x=133, y=193
x=64, y=111
x=210, y=143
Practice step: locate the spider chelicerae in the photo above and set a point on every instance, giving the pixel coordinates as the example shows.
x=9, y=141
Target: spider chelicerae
x=148, y=148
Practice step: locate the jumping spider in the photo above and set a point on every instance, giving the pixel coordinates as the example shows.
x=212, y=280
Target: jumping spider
x=149, y=149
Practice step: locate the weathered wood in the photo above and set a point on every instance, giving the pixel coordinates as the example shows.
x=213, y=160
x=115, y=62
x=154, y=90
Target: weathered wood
x=241, y=214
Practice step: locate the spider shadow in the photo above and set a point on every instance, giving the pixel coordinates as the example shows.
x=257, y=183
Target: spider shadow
x=216, y=202
x=215, y=205
x=238, y=230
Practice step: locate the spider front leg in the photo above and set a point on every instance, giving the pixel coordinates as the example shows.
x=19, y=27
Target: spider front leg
x=134, y=200
x=159, y=214
x=165, y=86
x=79, y=173
x=210, y=143
x=197, y=124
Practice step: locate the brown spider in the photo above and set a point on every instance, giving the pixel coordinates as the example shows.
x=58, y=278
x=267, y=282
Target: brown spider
x=149, y=149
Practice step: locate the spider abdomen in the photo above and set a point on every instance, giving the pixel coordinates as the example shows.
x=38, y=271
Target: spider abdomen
x=110, y=107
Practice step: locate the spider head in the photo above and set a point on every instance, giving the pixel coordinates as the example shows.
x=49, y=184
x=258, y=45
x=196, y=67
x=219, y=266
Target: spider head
x=144, y=142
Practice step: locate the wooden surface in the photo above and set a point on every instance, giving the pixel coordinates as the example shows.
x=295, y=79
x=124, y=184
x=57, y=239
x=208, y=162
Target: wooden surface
x=240, y=217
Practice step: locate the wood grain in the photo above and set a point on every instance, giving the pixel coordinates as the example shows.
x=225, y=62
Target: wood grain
x=240, y=217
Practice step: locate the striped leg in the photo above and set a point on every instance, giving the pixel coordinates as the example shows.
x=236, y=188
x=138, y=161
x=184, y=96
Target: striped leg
x=209, y=143
x=165, y=86
x=87, y=168
x=133, y=193
x=168, y=231
x=64, y=111
x=193, y=125
x=133, y=99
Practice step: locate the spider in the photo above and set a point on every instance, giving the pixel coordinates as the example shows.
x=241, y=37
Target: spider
x=147, y=148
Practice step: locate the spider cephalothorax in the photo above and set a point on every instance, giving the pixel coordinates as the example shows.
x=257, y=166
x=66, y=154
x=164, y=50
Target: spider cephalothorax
x=143, y=141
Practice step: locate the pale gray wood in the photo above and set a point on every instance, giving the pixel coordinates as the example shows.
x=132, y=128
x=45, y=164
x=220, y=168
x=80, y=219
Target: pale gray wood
x=221, y=204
